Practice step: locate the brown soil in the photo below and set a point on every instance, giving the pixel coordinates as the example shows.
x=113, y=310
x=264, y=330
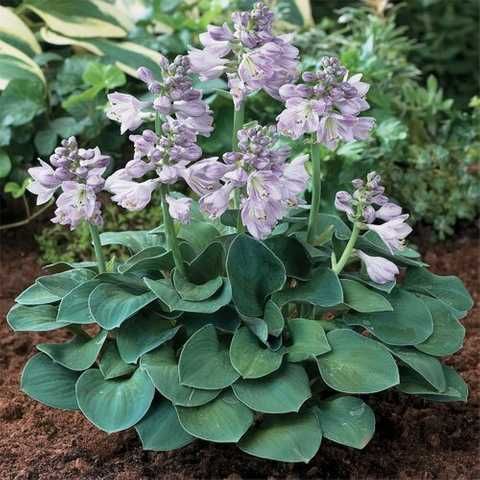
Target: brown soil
x=414, y=439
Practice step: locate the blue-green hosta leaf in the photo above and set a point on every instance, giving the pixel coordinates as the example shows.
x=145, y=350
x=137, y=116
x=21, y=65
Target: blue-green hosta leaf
x=323, y=290
x=204, y=361
x=193, y=292
x=273, y=317
x=410, y=322
x=362, y=299
x=448, y=332
x=74, y=305
x=160, y=429
x=308, y=340
x=223, y=420
x=425, y=365
x=285, y=438
x=38, y=318
x=357, y=364
x=49, y=383
x=60, y=284
x=250, y=358
x=165, y=292
x=149, y=259
x=36, y=294
x=114, y=405
x=346, y=420
x=255, y=272
x=111, y=363
x=283, y=391
x=198, y=234
x=110, y=305
x=293, y=255
x=456, y=389
x=448, y=289
x=78, y=354
x=335, y=223
x=162, y=367
x=136, y=241
x=142, y=333
x=208, y=264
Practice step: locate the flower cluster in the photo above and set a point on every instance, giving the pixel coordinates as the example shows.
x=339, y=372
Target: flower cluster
x=78, y=172
x=251, y=55
x=327, y=104
x=173, y=95
x=264, y=182
x=168, y=155
x=386, y=220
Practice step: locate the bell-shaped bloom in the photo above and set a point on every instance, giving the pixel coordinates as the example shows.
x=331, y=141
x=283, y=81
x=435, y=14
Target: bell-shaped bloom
x=180, y=208
x=294, y=179
x=379, y=269
x=344, y=202
x=260, y=217
x=45, y=182
x=393, y=232
x=203, y=176
x=216, y=202
x=388, y=211
x=126, y=109
x=131, y=195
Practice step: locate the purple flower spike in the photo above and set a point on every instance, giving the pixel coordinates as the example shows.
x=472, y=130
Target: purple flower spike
x=328, y=104
x=379, y=269
x=78, y=173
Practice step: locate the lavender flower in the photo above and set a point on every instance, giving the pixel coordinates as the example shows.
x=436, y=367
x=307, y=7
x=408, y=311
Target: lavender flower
x=393, y=232
x=259, y=171
x=251, y=55
x=78, y=173
x=328, y=104
x=180, y=208
x=379, y=269
x=173, y=96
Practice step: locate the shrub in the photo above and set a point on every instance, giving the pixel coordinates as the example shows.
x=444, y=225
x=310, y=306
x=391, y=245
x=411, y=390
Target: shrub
x=246, y=317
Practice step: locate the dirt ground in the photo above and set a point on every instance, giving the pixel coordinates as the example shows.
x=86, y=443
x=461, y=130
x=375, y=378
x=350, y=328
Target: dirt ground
x=414, y=439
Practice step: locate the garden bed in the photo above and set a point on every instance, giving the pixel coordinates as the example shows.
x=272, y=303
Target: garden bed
x=414, y=439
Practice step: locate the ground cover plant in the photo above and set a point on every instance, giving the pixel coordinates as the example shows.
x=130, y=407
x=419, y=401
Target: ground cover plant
x=248, y=316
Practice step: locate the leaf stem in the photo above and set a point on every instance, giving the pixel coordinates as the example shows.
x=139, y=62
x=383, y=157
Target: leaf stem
x=97, y=246
x=316, y=192
x=338, y=267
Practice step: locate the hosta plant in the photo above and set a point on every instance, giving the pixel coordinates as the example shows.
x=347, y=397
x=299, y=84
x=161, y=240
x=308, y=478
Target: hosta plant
x=248, y=316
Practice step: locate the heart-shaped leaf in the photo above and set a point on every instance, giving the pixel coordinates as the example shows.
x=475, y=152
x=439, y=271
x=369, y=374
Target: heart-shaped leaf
x=39, y=318
x=323, y=290
x=346, y=420
x=154, y=258
x=250, y=358
x=448, y=333
x=285, y=438
x=142, y=333
x=59, y=284
x=111, y=364
x=223, y=420
x=273, y=317
x=36, y=294
x=208, y=264
x=165, y=292
x=362, y=299
x=74, y=305
x=162, y=367
x=255, y=272
x=49, y=383
x=205, y=362
x=160, y=429
x=293, y=255
x=225, y=320
x=193, y=292
x=78, y=354
x=357, y=364
x=110, y=305
x=136, y=240
x=284, y=391
x=114, y=405
x=425, y=365
x=308, y=340
x=410, y=322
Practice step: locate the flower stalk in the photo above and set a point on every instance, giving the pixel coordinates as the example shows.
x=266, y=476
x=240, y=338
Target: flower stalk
x=97, y=247
x=316, y=191
x=339, y=266
x=238, y=120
